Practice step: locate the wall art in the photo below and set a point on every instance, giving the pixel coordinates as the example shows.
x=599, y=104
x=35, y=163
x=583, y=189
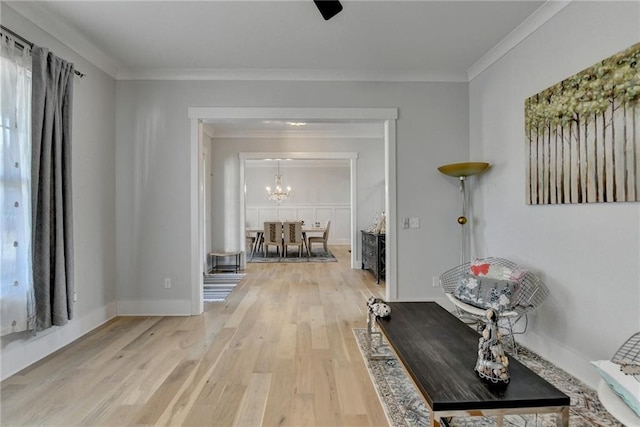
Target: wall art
x=583, y=135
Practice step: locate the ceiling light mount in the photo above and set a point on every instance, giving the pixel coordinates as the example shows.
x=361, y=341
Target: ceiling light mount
x=328, y=8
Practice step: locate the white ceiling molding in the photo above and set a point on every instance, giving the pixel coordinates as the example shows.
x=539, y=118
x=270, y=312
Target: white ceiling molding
x=35, y=12
x=290, y=75
x=521, y=32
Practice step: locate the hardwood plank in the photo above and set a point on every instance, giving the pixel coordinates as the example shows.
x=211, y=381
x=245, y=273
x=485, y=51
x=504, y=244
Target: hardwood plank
x=157, y=404
x=326, y=403
x=253, y=405
x=286, y=346
x=279, y=405
x=349, y=398
x=319, y=339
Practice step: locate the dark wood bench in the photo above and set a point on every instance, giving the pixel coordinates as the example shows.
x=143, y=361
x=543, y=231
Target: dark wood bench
x=439, y=353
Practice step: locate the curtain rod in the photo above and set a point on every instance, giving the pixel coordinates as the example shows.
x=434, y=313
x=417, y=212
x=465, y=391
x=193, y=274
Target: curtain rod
x=19, y=37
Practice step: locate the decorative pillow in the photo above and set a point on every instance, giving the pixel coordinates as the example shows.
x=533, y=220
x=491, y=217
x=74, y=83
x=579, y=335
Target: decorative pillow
x=625, y=386
x=486, y=292
x=480, y=267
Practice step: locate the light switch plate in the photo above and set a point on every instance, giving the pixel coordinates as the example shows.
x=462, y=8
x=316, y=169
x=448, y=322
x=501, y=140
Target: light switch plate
x=414, y=222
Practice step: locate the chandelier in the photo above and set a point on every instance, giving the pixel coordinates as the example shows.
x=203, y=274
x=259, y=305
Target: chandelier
x=278, y=194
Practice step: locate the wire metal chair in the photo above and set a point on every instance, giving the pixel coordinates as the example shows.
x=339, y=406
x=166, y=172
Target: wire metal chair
x=532, y=293
x=628, y=356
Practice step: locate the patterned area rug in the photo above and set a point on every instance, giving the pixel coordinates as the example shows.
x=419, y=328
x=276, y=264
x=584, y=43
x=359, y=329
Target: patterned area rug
x=317, y=255
x=405, y=407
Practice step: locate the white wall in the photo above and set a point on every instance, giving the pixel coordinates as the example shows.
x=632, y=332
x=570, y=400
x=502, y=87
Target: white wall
x=306, y=182
x=320, y=191
x=588, y=254
x=93, y=168
x=152, y=158
x=309, y=184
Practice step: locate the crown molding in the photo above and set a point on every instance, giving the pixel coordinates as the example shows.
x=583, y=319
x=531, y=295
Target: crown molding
x=65, y=34
x=536, y=20
x=284, y=74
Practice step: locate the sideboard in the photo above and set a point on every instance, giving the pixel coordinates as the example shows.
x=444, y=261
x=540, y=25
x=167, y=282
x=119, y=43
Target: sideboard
x=373, y=254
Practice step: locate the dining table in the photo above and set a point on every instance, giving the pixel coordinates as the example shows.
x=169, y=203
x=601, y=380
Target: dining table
x=259, y=232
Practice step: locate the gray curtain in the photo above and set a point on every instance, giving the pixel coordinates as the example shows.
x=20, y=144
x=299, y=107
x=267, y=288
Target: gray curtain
x=52, y=99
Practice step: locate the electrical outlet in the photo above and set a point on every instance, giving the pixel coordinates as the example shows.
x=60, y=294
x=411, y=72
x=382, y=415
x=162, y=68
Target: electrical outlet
x=167, y=282
x=414, y=222
x=435, y=282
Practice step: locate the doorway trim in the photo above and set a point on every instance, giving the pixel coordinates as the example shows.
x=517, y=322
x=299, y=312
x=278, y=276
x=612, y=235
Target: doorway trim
x=386, y=116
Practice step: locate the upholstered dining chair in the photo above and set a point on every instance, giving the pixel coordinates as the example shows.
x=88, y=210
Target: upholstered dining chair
x=272, y=237
x=320, y=239
x=293, y=237
x=250, y=241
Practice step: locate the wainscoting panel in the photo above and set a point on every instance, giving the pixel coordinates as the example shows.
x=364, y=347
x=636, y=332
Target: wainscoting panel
x=341, y=224
x=338, y=214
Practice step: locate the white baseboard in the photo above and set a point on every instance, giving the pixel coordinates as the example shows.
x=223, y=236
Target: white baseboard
x=25, y=349
x=562, y=357
x=154, y=308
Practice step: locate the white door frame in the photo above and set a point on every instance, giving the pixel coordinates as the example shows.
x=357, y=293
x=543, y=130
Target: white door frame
x=386, y=116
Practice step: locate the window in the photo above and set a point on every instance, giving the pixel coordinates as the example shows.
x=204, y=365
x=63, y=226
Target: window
x=16, y=293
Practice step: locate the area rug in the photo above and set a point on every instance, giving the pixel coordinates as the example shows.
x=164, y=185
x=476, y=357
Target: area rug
x=317, y=255
x=217, y=286
x=405, y=407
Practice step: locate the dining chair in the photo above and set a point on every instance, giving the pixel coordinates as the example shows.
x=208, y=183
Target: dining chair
x=320, y=239
x=293, y=237
x=272, y=236
x=253, y=242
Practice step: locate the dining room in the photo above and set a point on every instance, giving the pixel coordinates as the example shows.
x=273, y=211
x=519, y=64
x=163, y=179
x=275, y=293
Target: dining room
x=314, y=193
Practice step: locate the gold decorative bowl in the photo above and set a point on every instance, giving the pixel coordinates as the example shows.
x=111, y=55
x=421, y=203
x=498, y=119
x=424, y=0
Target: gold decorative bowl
x=464, y=169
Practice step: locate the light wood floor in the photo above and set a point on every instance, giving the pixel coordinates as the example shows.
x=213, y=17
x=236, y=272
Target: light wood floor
x=279, y=351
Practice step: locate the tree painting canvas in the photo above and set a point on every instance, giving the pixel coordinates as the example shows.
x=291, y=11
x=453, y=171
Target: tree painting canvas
x=583, y=135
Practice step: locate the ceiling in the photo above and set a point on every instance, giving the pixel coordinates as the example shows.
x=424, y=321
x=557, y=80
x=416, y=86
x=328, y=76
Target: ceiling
x=385, y=40
x=370, y=40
